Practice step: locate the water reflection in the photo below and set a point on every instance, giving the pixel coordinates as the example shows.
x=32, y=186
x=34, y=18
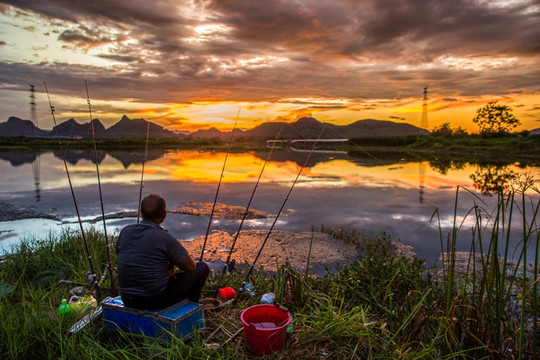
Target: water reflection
x=19, y=159
x=492, y=179
x=36, y=167
x=134, y=158
x=127, y=159
x=444, y=165
x=322, y=170
x=421, y=178
x=392, y=192
x=73, y=157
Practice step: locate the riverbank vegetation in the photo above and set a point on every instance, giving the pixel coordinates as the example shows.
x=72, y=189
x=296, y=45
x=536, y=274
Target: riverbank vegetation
x=27, y=144
x=516, y=143
x=379, y=306
x=456, y=142
x=442, y=140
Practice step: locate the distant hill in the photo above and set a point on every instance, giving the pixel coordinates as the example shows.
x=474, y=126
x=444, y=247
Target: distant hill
x=268, y=130
x=18, y=127
x=136, y=128
x=73, y=128
x=215, y=133
x=535, y=131
x=370, y=127
x=125, y=128
x=306, y=127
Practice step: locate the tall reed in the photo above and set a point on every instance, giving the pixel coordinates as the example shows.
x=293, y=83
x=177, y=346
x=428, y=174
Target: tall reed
x=492, y=301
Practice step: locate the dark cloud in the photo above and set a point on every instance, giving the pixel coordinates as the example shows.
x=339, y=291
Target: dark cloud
x=278, y=49
x=85, y=37
x=413, y=30
x=397, y=117
x=291, y=81
x=157, y=12
x=120, y=58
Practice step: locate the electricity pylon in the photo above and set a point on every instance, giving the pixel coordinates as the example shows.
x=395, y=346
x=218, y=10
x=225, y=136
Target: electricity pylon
x=36, y=162
x=424, y=123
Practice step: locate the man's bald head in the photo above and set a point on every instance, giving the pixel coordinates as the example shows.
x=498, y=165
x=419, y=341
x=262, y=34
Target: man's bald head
x=154, y=208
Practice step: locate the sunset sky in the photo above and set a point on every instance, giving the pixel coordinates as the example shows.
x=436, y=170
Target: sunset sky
x=192, y=64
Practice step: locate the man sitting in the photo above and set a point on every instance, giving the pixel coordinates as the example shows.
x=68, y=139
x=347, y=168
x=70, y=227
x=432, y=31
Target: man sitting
x=147, y=254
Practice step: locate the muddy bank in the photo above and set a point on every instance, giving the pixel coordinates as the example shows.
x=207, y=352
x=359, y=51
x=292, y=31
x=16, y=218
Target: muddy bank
x=9, y=212
x=117, y=215
x=221, y=211
x=284, y=246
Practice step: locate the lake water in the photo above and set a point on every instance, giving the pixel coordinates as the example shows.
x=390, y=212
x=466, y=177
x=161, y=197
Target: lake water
x=372, y=192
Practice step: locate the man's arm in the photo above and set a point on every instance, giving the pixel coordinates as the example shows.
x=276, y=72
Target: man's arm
x=187, y=264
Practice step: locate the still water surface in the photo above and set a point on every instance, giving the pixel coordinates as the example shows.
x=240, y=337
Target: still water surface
x=372, y=193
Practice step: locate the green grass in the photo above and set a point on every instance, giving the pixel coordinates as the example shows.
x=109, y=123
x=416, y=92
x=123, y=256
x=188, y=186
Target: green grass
x=380, y=306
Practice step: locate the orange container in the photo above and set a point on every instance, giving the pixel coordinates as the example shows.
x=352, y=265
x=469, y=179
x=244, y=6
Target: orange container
x=265, y=328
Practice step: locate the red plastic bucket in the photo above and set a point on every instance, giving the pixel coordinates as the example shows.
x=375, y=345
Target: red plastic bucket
x=265, y=328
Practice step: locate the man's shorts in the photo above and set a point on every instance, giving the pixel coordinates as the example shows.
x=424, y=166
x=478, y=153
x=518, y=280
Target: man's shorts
x=182, y=285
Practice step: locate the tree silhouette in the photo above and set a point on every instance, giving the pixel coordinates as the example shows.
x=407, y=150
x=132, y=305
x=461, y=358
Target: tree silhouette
x=495, y=119
x=447, y=131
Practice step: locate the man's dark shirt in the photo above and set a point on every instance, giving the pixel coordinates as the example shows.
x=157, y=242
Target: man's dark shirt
x=146, y=252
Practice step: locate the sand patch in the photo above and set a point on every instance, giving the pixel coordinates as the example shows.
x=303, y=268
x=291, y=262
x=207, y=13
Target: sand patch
x=287, y=246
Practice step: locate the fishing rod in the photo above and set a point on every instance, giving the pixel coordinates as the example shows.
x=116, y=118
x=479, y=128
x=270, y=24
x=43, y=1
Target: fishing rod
x=109, y=262
x=92, y=272
x=244, y=282
x=227, y=263
x=219, y=184
x=142, y=171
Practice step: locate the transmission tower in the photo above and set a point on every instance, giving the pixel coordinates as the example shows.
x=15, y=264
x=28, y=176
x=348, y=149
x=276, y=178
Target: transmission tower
x=424, y=123
x=33, y=113
x=36, y=163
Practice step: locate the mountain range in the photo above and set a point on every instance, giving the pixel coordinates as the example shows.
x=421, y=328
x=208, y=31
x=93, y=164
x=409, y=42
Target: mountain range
x=306, y=127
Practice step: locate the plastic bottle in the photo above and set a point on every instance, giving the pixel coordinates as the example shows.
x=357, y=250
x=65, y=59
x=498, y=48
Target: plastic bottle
x=64, y=309
x=289, y=328
x=250, y=290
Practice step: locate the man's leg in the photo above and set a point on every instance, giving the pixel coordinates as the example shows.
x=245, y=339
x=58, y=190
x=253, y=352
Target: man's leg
x=191, y=283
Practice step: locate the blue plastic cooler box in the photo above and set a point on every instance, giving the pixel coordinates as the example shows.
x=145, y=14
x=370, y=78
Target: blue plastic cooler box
x=181, y=319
